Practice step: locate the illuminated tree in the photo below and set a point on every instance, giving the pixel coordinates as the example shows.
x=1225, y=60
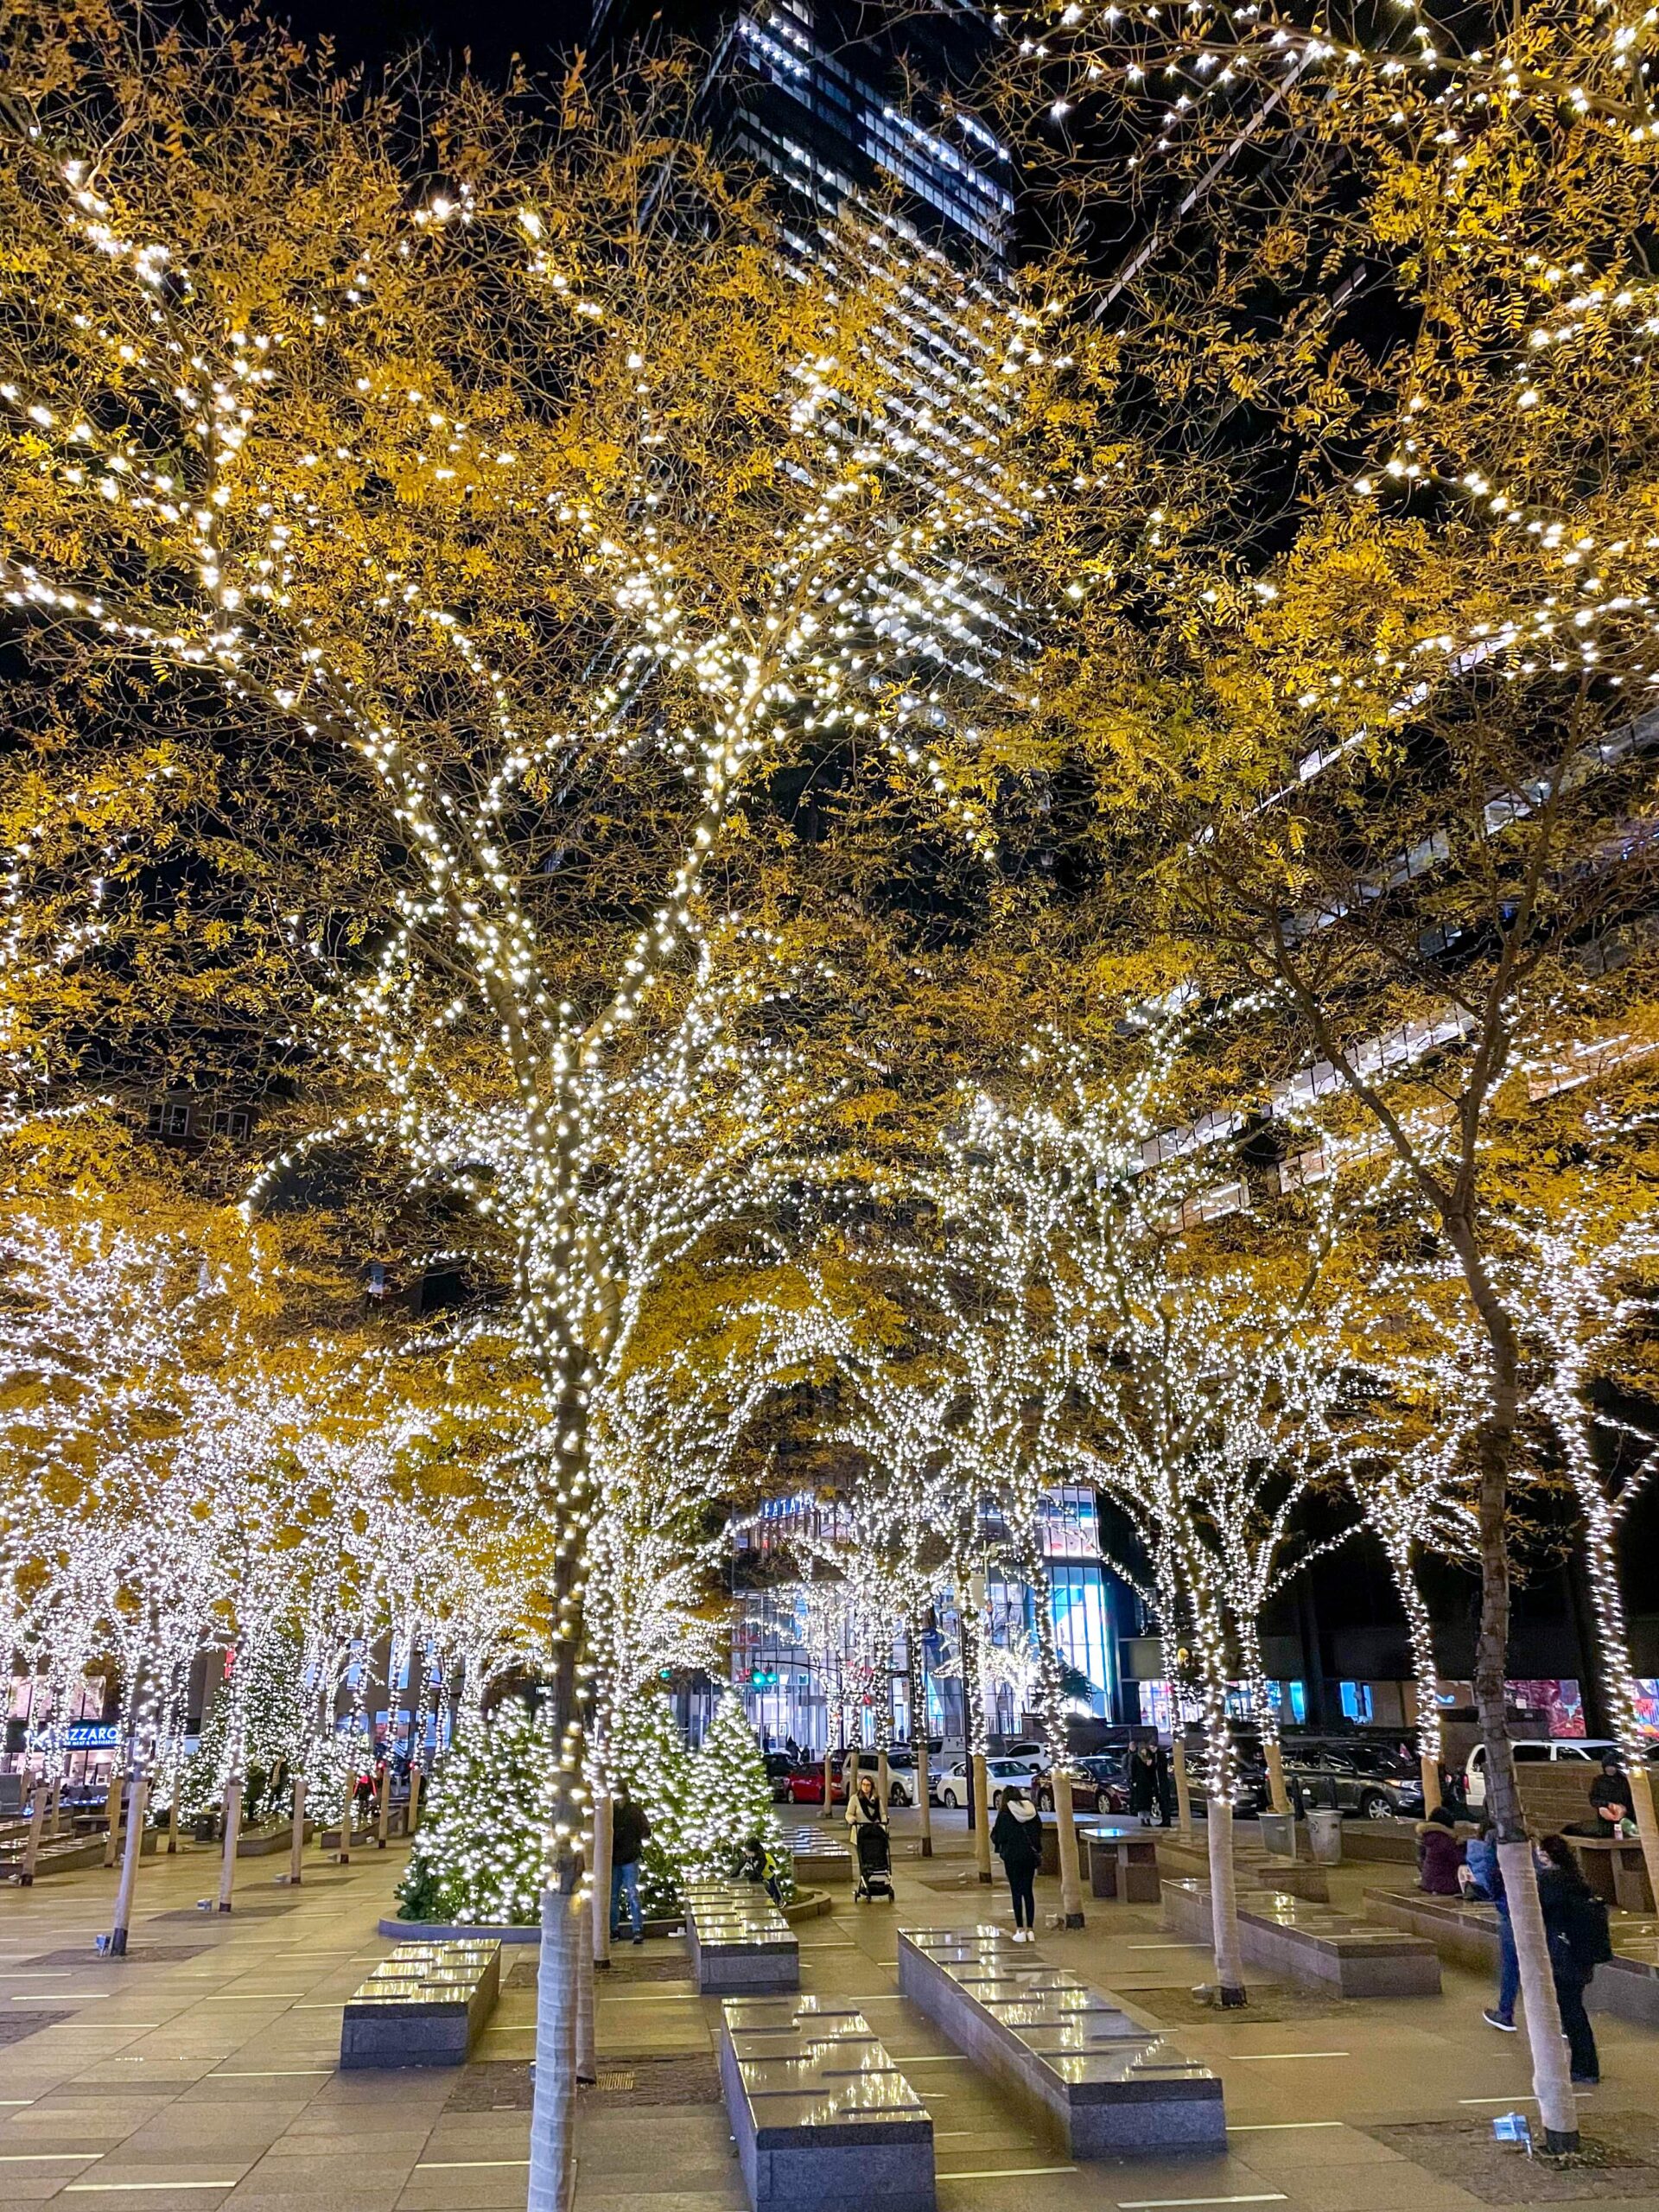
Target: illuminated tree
x=480, y=1856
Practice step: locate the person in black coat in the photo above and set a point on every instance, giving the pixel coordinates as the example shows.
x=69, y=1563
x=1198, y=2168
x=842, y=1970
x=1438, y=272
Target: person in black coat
x=1149, y=1793
x=1563, y=1893
x=1017, y=1839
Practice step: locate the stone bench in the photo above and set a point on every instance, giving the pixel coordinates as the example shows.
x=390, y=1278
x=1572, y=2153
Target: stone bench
x=1103, y=2080
x=1122, y=1861
x=65, y=1854
x=1616, y=1869
x=1253, y=1868
x=423, y=2006
x=738, y=1939
x=1308, y=1943
x=1626, y=1985
x=820, y=2114
x=819, y=1855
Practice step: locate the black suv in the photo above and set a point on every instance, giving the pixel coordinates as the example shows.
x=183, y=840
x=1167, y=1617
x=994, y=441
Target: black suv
x=1350, y=1776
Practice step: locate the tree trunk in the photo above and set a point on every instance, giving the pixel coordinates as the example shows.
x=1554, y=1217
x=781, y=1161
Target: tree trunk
x=113, y=1806
x=348, y=1798
x=383, y=1822
x=40, y=1797
x=981, y=1818
x=1613, y=1638
x=603, y=1808
x=297, y=1841
x=1425, y=1672
x=56, y=1816
x=1551, y=2080
x=173, y=1809
x=122, y=1920
x=1557, y=2107
x=1183, y=1791
x=918, y=1672
x=232, y=1837
x=553, y=2109
x=828, y=1811
x=1277, y=1793
x=1261, y=1712
x=1223, y=1901
x=1070, y=1872
x=586, y=2061
x=414, y=1795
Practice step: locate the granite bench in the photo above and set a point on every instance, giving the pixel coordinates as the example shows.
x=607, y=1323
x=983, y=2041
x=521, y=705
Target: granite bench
x=1308, y=1943
x=739, y=1940
x=819, y=1854
x=1105, y=2082
x=1252, y=1867
x=820, y=2114
x=1626, y=1985
x=1616, y=1869
x=1122, y=1858
x=67, y=1854
x=425, y=2005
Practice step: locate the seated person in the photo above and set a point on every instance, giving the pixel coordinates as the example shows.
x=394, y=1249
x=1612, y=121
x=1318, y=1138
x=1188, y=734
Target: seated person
x=1440, y=1855
x=1610, y=1800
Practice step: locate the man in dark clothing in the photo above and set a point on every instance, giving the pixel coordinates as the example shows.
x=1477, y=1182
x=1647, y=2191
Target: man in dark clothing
x=629, y=1829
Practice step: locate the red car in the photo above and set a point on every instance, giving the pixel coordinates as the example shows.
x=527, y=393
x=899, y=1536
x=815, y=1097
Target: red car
x=803, y=1784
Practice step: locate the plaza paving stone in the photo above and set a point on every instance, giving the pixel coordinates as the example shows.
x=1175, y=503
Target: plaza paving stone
x=213, y=2062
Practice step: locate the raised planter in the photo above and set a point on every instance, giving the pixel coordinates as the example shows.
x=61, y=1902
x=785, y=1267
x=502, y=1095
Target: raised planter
x=260, y=1842
x=454, y=1931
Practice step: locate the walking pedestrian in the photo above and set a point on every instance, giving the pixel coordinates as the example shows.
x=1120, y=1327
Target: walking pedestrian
x=1575, y=1921
x=1017, y=1839
x=1483, y=1857
x=629, y=1829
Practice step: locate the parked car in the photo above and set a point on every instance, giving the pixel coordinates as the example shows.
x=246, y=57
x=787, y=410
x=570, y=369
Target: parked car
x=1532, y=1751
x=1252, y=1794
x=803, y=1784
x=1102, y=1772
x=1352, y=1777
x=951, y=1788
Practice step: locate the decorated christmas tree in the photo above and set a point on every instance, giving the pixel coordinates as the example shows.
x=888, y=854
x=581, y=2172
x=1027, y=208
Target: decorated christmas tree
x=649, y=1754
x=480, y=1854
x=273, y=1724
x=729, y=1797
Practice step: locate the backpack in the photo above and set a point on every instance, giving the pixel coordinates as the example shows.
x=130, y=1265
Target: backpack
x=1588, y=1935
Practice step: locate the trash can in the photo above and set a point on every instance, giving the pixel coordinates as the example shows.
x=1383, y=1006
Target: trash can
x=1324, y=1836
x=1278, y=1832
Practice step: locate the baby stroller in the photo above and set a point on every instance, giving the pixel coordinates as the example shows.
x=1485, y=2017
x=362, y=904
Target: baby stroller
x=874, y=1866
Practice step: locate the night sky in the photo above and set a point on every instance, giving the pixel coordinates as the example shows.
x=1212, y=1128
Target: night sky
x=375, y=31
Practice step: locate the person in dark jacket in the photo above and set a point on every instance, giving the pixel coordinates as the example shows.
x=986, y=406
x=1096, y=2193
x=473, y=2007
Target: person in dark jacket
x=629, y=1829
x=1563, y=1892
x=1610, y=1800
x=1017, y=1839
x=1147, y=1793
x=1439, y=1855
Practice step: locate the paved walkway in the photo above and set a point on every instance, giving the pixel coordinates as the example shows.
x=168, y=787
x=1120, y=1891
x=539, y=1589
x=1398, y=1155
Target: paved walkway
x=200, y=2072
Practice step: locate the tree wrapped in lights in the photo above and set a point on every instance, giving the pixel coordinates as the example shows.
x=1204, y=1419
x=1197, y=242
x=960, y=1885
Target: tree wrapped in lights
x=480, y=1852
x=1389, y=769
x=729, y=1796
x=647, y=1752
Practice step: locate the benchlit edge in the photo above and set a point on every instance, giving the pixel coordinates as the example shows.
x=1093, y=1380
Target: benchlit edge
x=1157, y=2104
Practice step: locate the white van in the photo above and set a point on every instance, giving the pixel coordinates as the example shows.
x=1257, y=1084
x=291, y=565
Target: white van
x=1531, y=1751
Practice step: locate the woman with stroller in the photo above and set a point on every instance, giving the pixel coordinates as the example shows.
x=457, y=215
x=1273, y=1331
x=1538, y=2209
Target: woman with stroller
x=866, y=1816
